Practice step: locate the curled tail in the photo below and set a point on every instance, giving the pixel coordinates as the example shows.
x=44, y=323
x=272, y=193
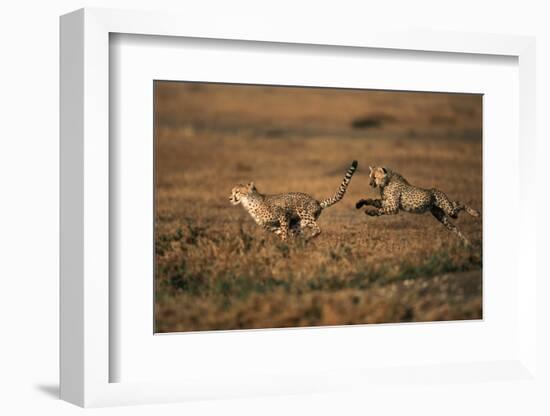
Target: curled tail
x=343, y=186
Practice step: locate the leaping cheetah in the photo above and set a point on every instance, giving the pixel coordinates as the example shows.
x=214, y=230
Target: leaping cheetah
x=397, y=194
x=285, y=212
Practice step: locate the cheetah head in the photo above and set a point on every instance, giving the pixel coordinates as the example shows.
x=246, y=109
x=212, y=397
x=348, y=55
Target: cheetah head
x=379, y=176
x=241, y=191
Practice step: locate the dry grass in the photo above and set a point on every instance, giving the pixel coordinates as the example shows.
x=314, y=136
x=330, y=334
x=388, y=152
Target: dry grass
x=215, y=269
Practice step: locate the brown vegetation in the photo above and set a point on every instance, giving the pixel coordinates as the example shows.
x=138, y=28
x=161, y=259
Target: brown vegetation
x=215, y=269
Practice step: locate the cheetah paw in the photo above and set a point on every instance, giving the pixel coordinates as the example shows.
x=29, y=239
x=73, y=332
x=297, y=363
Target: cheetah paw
x=360, y=203
x=371, y=212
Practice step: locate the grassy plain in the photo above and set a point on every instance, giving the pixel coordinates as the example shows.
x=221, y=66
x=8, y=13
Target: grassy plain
x=216, y=269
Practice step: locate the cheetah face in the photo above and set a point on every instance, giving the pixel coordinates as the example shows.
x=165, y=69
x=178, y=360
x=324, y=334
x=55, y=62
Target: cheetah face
x=378, y=176
x=241, y=191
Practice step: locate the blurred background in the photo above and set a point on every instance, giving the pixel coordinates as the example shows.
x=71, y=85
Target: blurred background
x=215, y=269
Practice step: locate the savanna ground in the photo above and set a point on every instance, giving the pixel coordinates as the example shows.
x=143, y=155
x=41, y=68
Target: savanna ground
x=216, y=269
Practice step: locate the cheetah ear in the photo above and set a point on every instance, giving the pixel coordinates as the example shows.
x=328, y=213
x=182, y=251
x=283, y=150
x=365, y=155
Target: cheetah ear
x=384, y=170
x=251, y=186
x=370, y=169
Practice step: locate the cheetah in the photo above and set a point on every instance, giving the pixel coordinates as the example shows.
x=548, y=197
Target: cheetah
x=397, y=194
x=289, y=212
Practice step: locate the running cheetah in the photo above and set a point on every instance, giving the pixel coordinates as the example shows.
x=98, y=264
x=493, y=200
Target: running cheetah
x=396, y=193
x=289, y=212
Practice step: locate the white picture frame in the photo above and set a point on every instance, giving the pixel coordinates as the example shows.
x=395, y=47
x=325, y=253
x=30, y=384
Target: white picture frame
x=85, y=353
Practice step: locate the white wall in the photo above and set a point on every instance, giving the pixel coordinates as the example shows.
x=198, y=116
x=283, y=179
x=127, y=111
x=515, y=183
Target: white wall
x=29, y=200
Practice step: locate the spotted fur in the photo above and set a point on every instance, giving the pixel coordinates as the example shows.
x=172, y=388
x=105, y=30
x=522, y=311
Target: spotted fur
x=287, y=213
x=397, y=194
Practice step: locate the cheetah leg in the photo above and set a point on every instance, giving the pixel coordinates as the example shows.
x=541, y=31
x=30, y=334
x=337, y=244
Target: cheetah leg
x=444, y=219
x=293, y=229
x=316, y=230
x=386, y=209
x=459, y=206
x=273, y=229
x=451, y=208
x=310, y=222
x=374, y=202
x=283, y=228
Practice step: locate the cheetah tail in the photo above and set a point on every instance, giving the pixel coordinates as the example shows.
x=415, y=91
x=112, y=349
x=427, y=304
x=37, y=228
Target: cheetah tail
x=343, y=186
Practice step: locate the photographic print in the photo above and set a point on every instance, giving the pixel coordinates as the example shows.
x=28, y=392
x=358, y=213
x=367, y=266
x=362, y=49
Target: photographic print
x=281, y=206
